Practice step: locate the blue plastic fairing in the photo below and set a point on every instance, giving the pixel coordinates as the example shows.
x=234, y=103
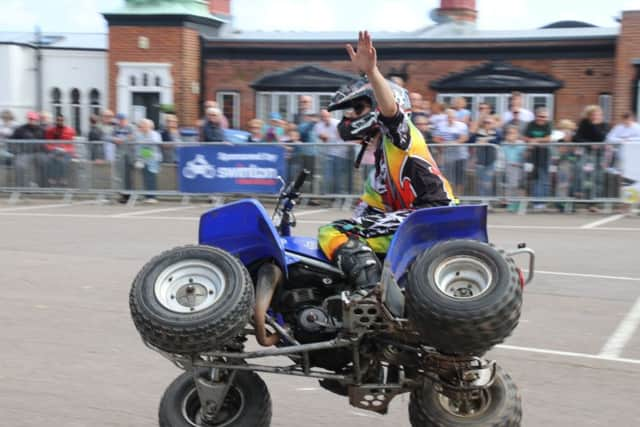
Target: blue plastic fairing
x=244, y=229
x=426, y=227
x=306, y=246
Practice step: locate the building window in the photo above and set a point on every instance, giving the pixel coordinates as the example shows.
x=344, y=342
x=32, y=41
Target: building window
x=605, y=101
x=132, y=81
x=145, y=79
x=499, y=102
x=56, y=101
x=286, y=103
x=94, y=100
x=229, y=103
x=158, y=81
x=76, y=116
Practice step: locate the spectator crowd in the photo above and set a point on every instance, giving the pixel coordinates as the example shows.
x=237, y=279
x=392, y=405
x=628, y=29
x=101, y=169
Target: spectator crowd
x=470, y=146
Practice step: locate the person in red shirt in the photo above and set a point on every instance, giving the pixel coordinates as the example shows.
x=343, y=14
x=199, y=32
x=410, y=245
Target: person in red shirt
x=60, y=153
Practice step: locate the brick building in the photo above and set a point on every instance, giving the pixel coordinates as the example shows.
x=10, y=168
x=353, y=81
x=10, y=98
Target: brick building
x=184, y=52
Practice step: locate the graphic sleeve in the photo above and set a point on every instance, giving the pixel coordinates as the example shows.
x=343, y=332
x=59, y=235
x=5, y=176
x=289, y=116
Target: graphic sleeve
x=397, y=127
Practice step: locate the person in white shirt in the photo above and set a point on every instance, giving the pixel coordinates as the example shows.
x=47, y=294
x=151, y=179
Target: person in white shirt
x=627, y=130
x=148, y=156
x=455, y=158
x=337, y=170
x=516, y=105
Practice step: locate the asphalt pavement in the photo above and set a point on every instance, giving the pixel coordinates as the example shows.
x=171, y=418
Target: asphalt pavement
x=71, y=357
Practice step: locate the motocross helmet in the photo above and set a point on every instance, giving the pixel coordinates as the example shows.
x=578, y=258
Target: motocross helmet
x=358, y=125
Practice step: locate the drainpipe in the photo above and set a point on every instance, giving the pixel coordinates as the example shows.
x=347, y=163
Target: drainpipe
x=38, y=44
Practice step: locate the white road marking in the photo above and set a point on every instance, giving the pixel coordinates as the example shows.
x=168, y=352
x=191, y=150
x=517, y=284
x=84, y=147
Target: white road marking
x=616, y=342
x=360, y=414
x=307, y=389
x=52, y=206
x=589, y=276
x=568, y=354
x=151, y=211
x=312, y=212
x=603, y=221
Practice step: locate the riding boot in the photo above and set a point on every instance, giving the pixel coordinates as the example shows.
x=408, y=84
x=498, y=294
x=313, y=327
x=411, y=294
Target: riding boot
x=359, y=263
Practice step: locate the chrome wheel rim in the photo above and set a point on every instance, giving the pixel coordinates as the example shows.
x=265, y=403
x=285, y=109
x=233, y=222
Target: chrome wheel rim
x=189, y=286
x=463, y=277
x=466, y=408
x=230, y=411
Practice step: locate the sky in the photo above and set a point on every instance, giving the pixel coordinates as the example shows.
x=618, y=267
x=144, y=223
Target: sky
x=323, y=15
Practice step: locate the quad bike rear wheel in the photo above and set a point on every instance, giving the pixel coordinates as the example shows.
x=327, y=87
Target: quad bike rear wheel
x=499, y=405
x=247, y=403
x=191, y=299
x=463, y=296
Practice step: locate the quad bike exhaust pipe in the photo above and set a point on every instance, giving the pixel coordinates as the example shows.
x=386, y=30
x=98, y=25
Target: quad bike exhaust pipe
x=269, y=277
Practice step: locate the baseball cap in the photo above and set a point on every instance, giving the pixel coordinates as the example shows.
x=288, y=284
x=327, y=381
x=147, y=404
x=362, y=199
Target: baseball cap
x=275, y=116
x=121, y=116
x=32, y=115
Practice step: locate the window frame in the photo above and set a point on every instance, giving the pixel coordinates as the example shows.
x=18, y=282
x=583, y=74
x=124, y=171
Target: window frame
x=503, y=100
x=292, y=103
x=234, y=121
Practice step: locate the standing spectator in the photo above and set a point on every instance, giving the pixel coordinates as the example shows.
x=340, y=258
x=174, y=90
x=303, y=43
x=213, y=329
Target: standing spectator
x=516, y=105
x=417, y=105
x=95, y=137
x=304, y=156
x=438, y=115
x=484, y=111
x=514, y=151
x=170, y=138
x=538, y=132
x=337, y=168
x=107, y=124
x=255, y=129
x=224, y=122
x=422, y=123
x=462, y=114
x=123, y=138
x=593, y=129
x=455, y=158
x=7, y=126
x=46, y=120
x=485, y=155
x=212, y=129
x=517, y=122
x=148, y=156
x=29, y=158
x=565, y=159
x=60, y=154
x=627, y=130
x=273, y=131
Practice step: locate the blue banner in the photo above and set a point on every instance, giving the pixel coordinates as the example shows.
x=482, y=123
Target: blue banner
x=230, y=168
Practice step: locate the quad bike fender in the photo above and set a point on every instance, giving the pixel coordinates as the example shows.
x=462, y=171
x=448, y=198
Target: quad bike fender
x=244, y=229
x=426, y=227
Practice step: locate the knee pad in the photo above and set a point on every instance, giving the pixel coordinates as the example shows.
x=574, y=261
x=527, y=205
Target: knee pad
x=360, y=264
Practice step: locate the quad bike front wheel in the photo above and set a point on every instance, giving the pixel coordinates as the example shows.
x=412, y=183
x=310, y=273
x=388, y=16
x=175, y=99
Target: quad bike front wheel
x=247, y=403
x=499, y=405
x=463, y=296
x=191, y=299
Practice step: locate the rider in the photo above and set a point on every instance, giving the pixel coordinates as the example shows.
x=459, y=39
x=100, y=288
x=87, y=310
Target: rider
x=406, y=176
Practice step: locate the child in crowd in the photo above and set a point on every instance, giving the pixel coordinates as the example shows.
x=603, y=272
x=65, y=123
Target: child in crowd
x=514, y=150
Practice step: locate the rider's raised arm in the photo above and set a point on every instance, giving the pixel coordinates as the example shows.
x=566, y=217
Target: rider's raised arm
x=365, y=60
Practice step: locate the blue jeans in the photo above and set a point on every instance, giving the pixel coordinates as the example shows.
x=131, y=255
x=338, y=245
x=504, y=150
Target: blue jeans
x=337, y=175
x=484, y=176
x=150, y=181
x=542, y=184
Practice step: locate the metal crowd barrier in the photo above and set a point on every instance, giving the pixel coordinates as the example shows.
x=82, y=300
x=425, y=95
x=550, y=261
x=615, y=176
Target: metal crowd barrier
x=510, y=174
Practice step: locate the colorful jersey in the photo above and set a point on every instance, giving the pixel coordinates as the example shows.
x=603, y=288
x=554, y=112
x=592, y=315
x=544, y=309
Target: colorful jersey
x=406, y=175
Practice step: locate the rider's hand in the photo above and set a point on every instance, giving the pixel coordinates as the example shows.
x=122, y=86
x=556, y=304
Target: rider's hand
x=365, y=58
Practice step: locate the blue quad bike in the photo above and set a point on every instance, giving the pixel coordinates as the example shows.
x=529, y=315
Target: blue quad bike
x=250, y=291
